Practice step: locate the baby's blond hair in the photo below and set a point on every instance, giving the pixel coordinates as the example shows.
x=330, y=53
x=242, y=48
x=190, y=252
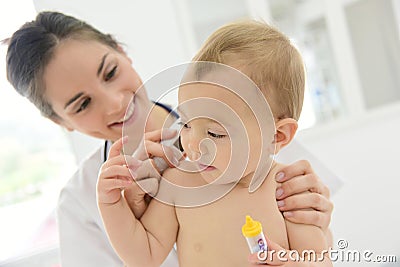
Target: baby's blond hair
x=265, y=55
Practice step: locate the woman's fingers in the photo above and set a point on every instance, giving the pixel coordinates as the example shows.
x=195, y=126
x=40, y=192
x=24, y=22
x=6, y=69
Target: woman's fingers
x=170, y=154
x=303, y=201
x=310, y=181
x=312, y=217
x=155, y=149
x=160, y=135
x=115, y=156
x=291, y=199
x=303, y=183
x=150, y=145
x=294, y=197
x=308, y=208
x=295, y=169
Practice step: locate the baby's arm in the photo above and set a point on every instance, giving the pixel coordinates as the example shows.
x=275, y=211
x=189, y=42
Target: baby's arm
x=305, y=237
x=140, y=243
x=137, y=243
x=300, y=177
x=148, y=175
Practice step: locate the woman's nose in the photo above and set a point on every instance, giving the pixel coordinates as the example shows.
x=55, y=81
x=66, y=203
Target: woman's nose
x=114, y=102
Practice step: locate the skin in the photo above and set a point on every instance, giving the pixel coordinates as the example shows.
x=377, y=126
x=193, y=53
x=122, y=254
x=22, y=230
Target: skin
x=195, y=131
x=105, y=96
x=94, y=97
x=196, y=229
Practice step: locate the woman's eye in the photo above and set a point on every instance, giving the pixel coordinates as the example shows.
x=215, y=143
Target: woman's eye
x=83, y=105
x=214, y=135
x=110, y=74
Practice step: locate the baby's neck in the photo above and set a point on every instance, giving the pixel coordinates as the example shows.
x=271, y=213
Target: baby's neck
x=245, y=181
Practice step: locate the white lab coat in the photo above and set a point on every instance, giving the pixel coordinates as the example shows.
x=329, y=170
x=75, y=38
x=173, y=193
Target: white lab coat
x=83, y=241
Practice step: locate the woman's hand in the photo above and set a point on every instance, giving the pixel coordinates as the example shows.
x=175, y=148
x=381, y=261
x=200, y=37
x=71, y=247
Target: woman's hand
x=151, y=147
x=314, y=207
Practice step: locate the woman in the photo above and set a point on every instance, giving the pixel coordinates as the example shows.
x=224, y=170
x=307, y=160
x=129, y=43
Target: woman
x=82, y=80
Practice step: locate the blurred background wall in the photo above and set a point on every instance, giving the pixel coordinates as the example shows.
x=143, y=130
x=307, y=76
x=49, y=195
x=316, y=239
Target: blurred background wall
x=351, y=117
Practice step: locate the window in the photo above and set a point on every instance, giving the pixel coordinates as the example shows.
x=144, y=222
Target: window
x=335, y=40
x=35, y=159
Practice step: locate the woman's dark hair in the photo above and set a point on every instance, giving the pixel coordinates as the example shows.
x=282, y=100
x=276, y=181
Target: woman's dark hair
x=32, y=47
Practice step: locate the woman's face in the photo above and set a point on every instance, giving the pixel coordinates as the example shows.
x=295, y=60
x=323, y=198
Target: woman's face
x=90, y=87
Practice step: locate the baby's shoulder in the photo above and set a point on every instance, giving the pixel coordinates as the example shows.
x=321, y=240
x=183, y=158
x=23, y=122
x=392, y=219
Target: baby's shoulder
x=172, y=174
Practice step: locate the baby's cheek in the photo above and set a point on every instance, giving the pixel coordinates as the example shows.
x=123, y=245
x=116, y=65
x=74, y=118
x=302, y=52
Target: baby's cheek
x=223, y=157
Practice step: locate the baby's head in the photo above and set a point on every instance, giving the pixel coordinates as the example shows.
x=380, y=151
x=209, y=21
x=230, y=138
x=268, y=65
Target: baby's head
x=272, y=63
x=266, y=56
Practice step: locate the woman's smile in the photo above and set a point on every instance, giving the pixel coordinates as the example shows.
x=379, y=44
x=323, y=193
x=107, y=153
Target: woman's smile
x=128, y=117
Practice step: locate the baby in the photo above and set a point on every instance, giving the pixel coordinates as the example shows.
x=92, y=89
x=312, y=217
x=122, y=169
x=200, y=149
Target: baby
x=227, y=129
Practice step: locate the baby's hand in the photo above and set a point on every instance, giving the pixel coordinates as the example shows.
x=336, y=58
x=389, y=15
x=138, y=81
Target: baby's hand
x=139, y=193
x=114, y=174
x=156, y=158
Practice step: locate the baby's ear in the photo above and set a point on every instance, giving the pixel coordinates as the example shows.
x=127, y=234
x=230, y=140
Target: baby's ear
x=285, y=131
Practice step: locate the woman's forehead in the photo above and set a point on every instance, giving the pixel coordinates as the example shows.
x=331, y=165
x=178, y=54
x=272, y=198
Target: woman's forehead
x=73, y=51
x=76, y=57
x=73, y=67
